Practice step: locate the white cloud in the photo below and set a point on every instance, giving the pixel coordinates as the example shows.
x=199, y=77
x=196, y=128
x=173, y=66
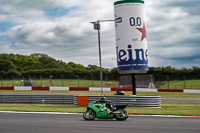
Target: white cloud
x=172, y=31
x=171, y=37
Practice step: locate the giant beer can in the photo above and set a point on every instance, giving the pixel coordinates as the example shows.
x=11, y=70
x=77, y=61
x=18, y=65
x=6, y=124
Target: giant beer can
x=131, y=39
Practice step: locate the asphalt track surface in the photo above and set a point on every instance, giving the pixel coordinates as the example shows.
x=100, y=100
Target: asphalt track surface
x=68, y=123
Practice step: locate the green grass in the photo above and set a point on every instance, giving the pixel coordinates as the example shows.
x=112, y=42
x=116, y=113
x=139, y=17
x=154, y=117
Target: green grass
x=180, y=84
x=176, y=84
x=162, y=94
x=41, y=108
x=64, y=82
x=168, y=108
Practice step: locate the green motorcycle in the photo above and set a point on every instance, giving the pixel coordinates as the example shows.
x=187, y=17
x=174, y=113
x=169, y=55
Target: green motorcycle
x=104, y=109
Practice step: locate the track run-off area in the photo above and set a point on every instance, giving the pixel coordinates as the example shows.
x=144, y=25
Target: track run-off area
x=50, y=122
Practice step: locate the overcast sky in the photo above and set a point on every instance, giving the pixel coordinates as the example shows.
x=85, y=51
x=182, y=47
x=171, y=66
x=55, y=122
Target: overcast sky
x=61, y=29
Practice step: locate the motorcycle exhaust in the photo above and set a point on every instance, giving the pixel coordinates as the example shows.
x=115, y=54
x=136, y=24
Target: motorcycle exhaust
x=117, y=112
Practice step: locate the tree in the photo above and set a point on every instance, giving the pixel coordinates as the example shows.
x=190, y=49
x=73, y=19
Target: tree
x=6, y=65
x=92, y=67
x=72, y=65
x=48, y=62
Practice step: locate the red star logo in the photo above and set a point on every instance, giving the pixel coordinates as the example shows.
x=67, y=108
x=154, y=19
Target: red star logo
x=143, y=31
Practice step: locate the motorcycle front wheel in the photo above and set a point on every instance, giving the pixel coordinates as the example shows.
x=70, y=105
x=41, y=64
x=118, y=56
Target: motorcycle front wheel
x=89, y=115
x=122, y=116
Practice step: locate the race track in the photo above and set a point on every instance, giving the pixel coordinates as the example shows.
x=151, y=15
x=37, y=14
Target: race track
x=68, y=123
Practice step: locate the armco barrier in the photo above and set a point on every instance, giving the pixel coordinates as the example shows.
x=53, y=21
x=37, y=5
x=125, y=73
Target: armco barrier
x=37, y=99
x=130, y=101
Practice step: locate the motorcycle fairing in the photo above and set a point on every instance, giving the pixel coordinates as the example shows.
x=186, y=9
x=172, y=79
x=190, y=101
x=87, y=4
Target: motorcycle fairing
x=100, y=110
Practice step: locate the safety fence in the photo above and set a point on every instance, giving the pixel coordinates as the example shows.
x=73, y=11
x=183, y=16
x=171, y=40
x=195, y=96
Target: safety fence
x=130, y=101
x=61, y=82
x=36, y=99
x=142, y=81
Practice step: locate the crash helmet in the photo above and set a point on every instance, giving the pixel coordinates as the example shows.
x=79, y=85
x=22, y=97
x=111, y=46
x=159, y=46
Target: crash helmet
x=102, y=99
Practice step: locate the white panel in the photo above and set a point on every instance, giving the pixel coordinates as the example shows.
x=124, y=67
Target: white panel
x=28, y=88
x=106, y=89
x=146, y=90
x=94, y=89
x=191, y=91
x=98, y=89
x=52, y=88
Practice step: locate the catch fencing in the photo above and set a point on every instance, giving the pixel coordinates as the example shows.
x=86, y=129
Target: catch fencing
x=53, y=81
x=130, y=101
x=142, y=81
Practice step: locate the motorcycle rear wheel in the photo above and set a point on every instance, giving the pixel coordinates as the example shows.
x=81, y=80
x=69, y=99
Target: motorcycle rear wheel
x=123, y=116
x=89, y=115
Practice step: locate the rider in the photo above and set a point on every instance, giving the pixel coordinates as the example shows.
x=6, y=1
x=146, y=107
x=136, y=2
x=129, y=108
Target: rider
x=119, y=92
x=108, y=103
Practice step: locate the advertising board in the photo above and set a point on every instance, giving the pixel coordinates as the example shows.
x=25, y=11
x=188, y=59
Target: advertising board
x=131, y=39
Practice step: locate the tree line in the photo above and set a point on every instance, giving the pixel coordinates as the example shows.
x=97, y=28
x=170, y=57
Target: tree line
x=38, y=64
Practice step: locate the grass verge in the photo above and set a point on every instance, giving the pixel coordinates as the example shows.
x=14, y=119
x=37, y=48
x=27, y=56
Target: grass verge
x=162, y=94
x=168, y=108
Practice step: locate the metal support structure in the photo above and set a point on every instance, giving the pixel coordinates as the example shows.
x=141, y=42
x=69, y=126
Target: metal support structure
x=97, y=27
x=101, y=74
x=133, y=83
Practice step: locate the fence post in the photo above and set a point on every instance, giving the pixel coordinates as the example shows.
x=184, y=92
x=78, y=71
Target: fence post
x=92, y=80
x=106, y=81
x=12, y=80
x=184, y=81
x=168, y=81
x=119, y=80
x=78, y=80
x=62, y=81
x=50, y=80
x=41, y=80
x=1, y=81
x=133, y=77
